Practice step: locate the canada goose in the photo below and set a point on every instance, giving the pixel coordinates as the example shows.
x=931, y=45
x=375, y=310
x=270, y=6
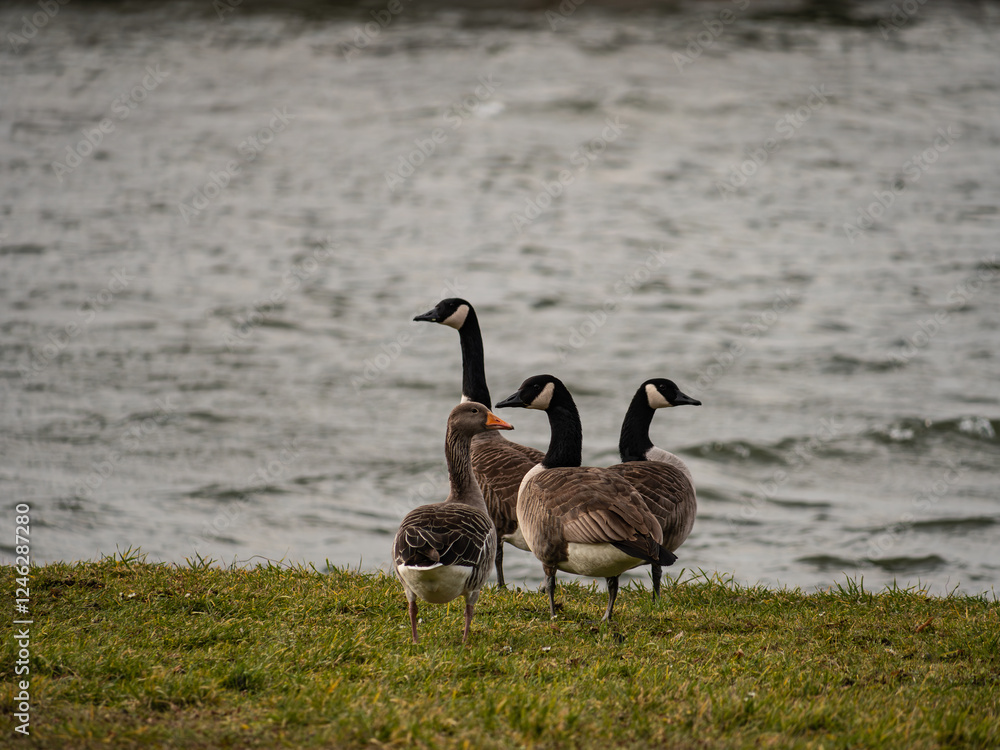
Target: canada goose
x=582, y=520
x=445, y=550
x=499, y=464
x=662, y=478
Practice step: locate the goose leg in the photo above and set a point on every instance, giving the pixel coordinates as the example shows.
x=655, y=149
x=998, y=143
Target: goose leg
x=469, y=609
x=550, y=587
x=499, y=564
x=657, y=573
x=413, y=618
x=612, y=595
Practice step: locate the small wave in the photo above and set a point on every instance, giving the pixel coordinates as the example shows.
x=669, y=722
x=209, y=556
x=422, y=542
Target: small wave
x=828, y=562
x=79, y=428
x=217, y=492
x=208, y=416
x=977, y=427
x=279, y=323
x=920, y=431
x=204, y=385
x=845, y=364
x=228, y=492
x=789, y=451
x=731, y=520
x=139, y=417
x=221, y=539
x=956, y=524
x=738, y=451
x=576, y=104
x=310, y=479
x=817, y=446
x=24, y=248
x=906, y=564
x=811, y=504
x=901, y=564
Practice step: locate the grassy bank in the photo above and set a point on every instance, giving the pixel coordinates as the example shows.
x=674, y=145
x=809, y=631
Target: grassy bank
x=133, y=654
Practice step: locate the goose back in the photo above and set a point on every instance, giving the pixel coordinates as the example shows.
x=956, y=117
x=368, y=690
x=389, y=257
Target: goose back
x=457, y=538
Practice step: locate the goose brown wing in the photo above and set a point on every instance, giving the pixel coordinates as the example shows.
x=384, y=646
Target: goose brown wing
x=499, y=466
x=668, y=493
x=594, y=506
x=447, y=535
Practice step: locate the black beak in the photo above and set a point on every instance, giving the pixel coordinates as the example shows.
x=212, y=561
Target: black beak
x=430, y=316
x=512, y=400
x=681, y=400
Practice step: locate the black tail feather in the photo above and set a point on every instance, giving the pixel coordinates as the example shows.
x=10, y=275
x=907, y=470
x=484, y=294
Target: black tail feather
x=666, y=557
x=648, y=550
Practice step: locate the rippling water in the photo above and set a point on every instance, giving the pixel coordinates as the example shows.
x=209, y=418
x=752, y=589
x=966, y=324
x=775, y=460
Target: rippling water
x=216, y=232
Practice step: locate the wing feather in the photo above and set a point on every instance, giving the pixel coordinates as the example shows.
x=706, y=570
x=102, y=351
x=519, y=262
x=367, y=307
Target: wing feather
x=668, y=493
x=593, y=506
x=445, y=534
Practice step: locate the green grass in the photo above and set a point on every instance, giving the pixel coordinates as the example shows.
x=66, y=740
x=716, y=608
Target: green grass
x=129, y=654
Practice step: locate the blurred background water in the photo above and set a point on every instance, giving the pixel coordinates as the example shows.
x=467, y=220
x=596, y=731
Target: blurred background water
x=218, y=219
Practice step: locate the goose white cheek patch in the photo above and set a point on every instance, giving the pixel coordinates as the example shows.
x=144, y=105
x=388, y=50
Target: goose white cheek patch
x=457, y=318
x=543, y=399
x=655, y=398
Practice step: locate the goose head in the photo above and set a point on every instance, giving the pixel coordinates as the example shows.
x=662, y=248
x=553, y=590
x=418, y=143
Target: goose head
x=457, y=313
x=471, y=418
x=450, y=312
x=548, y=394
x=634, y=443
x=536, y=392
x=661, y=393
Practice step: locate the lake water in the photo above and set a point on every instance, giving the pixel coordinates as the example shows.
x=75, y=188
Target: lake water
x=218, y=223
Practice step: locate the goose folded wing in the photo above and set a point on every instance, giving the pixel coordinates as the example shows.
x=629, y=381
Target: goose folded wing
x=621, y=525
x=452, y=536
x=596, y=507
x=664, y=486
x=417, y=547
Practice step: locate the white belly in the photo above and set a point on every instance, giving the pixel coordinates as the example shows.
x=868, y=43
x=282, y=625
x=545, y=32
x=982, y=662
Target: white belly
x=436, y=584
x=598, y=560
x=517, y=539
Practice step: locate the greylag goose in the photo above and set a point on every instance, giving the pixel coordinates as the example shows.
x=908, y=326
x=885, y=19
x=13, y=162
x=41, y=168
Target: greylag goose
x=445, y=550
x=498, y=463
x=580, y=519
x=663, y=479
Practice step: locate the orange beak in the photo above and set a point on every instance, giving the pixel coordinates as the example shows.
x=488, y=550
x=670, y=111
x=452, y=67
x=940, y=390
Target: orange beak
x=493, y=422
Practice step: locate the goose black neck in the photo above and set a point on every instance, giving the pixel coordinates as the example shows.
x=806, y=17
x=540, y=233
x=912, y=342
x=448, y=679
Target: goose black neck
x=566, y=441
x=634, y=440
x=457, y=451
x=473, y=364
